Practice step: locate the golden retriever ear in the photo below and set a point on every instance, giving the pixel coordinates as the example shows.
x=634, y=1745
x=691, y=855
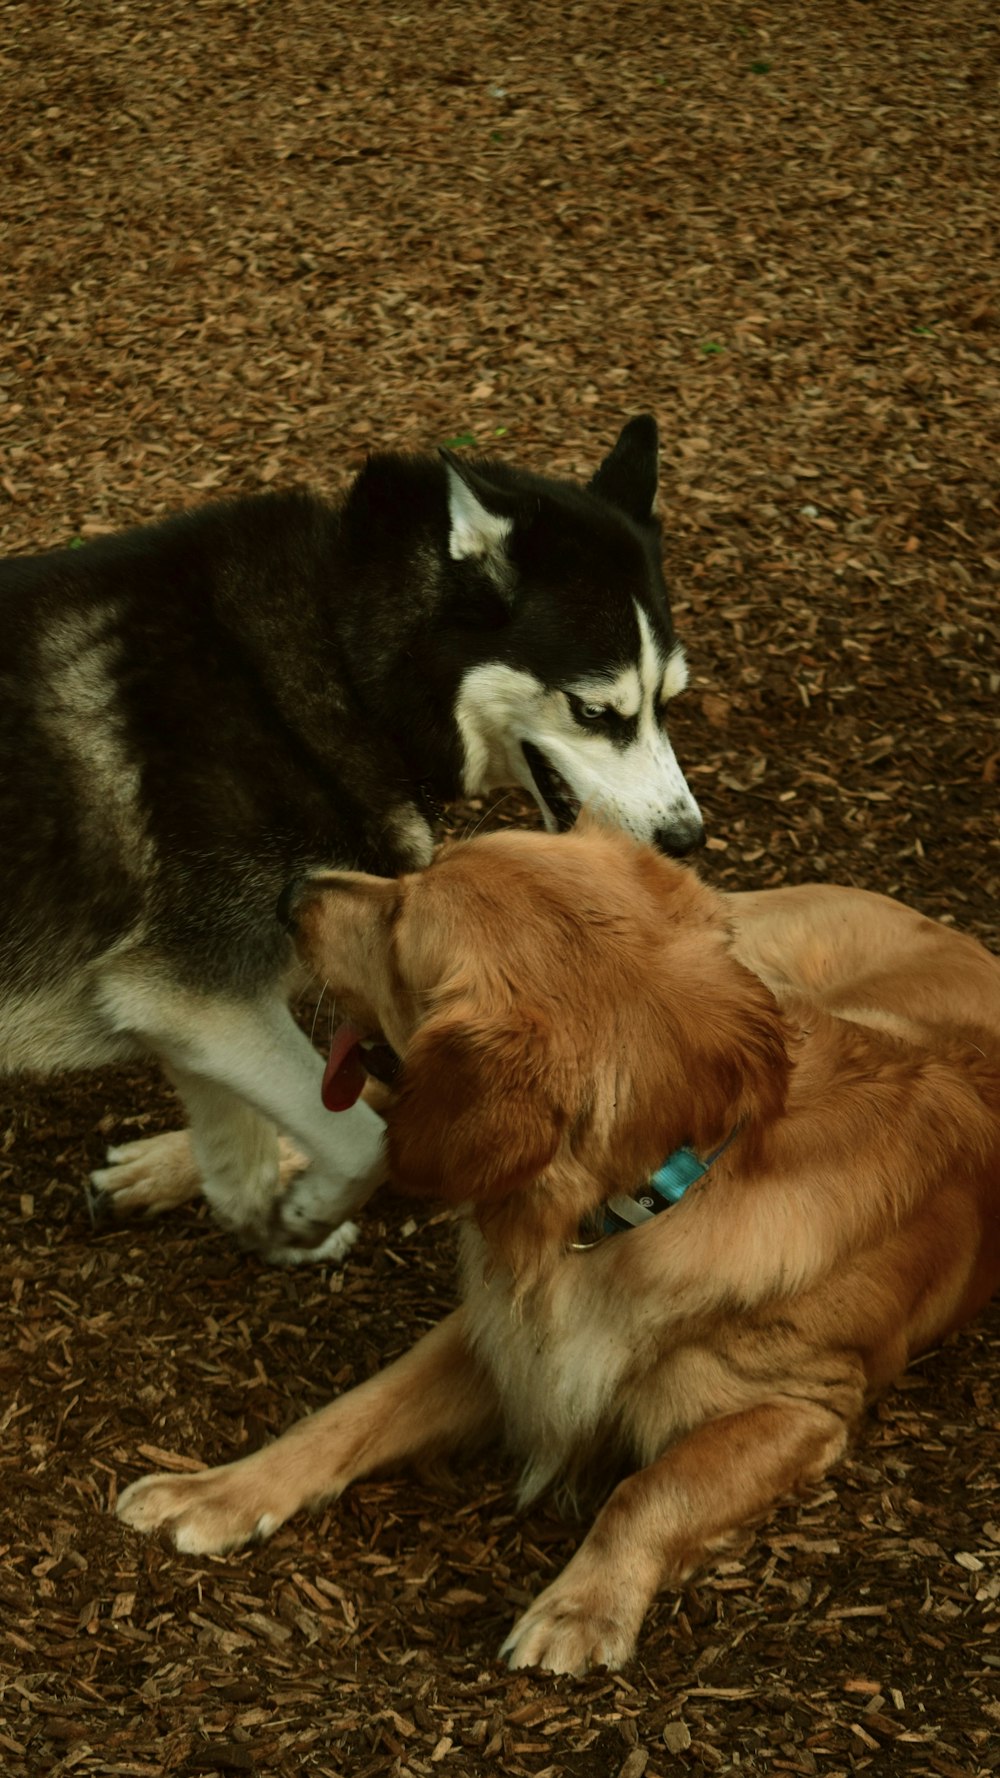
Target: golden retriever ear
x=477, y=1115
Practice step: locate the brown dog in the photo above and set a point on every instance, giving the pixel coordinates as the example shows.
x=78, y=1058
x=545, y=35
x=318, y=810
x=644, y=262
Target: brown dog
x=569, y=1011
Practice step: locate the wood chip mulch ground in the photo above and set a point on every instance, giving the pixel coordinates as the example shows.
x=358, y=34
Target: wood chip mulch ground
x=241, y=244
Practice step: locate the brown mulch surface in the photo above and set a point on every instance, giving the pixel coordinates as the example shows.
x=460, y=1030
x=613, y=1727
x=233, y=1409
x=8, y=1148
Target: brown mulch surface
x=241, y=244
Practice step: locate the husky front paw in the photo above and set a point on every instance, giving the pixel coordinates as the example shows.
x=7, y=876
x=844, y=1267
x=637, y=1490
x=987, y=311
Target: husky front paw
x=331, y=1250
x=206, y=1514
x=308, y=1223
x=569, y=1630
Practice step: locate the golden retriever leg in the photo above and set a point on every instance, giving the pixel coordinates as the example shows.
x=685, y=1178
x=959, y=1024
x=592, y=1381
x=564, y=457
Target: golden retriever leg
x=157, y=1173
x=662, y=1523
x=435, y=1398
x=147, y=1177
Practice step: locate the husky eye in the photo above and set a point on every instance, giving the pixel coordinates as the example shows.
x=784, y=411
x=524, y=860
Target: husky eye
x=589, y=713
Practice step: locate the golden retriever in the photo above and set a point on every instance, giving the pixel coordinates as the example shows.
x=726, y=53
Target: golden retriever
x=569, y=1011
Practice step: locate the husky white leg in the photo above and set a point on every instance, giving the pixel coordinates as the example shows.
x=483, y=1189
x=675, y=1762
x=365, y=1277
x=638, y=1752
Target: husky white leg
x=236, y=1153
x=241, y=1068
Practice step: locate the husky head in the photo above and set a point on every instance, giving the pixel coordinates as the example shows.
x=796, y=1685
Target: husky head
x=567, y=694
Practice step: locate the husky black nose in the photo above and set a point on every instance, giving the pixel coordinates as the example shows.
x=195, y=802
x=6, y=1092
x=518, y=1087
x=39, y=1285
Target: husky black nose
x=680, y=838
x=285, y=910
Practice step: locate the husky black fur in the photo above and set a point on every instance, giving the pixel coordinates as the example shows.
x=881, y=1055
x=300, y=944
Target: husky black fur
x=194, y=712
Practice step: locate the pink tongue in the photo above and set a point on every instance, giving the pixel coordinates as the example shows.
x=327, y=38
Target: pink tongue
x=345, y=1074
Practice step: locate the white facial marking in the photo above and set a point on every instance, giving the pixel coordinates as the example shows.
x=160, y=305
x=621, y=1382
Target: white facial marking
x=475, y=531
x=639, y=786
x=497, y=708
x=623, y=693
x=675, y=674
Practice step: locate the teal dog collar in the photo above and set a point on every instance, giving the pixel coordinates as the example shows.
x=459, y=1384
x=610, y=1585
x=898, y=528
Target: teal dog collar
x=666, y=1187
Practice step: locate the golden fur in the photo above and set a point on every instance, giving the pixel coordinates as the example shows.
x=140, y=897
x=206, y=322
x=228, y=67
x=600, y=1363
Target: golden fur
x=570, y=1010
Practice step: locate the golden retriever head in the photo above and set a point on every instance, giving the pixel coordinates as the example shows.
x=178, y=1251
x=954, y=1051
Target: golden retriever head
x=567, y=1010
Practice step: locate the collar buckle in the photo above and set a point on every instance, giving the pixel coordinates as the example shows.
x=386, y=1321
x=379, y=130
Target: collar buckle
x=666, y=1187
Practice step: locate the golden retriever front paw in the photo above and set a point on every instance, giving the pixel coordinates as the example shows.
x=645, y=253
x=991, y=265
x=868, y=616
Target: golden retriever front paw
x=206, y=1514
x=569, y=1631
x=144, y=1178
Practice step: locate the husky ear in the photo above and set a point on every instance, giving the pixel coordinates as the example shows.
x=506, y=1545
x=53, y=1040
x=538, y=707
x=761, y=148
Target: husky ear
x=479, y=526
x=475, y=1118
x=627, y=477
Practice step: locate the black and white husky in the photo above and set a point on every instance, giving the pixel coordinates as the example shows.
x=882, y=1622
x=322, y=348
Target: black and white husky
x=193, y=713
